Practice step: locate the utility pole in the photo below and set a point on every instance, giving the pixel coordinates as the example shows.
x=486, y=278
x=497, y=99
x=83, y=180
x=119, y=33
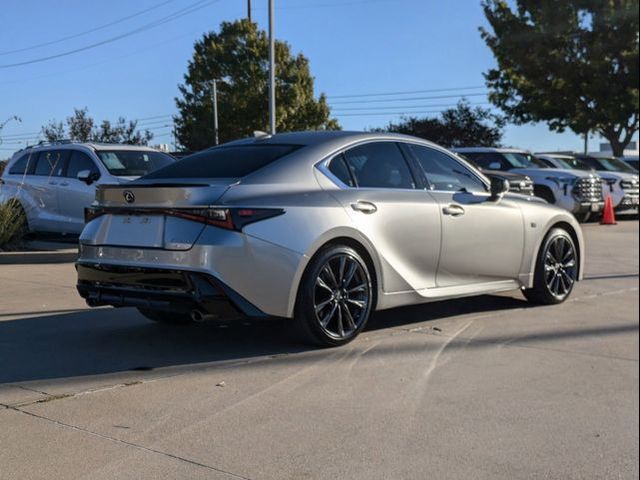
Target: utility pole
x=214, y=95
x=272, y=73
x=249, y=10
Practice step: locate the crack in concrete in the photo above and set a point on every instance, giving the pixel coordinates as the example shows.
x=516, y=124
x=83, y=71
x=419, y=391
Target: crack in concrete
x=128, y=444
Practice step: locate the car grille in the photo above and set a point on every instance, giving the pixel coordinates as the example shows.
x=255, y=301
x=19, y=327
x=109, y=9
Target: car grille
x=588, y=190
x=524, y=187
x=630, y=187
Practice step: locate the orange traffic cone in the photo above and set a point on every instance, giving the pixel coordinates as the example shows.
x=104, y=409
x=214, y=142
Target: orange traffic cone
x=608, y=217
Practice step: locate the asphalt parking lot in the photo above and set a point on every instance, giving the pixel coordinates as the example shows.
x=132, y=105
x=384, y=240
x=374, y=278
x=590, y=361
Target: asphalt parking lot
x=485, y=387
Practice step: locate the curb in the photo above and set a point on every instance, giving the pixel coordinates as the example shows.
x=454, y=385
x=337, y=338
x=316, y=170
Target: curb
x=69, y=255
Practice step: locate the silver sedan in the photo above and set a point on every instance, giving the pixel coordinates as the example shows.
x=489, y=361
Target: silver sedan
x=323, y=228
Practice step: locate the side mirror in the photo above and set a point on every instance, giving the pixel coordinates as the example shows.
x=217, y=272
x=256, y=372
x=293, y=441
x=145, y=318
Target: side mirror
x=494, y=166
x=87, y=176
x=499, y=186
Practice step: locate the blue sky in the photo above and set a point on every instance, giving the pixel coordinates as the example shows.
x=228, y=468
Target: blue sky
x=354, y=46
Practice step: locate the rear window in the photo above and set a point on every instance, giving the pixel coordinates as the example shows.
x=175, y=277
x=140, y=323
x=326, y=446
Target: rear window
x=225, y=162
x=21, y=165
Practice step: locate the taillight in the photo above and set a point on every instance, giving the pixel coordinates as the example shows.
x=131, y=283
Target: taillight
x=228, y=218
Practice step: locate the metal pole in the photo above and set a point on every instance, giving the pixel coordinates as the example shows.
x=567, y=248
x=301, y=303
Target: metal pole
x=272, y=72
x=214, y=93
x=249, y=10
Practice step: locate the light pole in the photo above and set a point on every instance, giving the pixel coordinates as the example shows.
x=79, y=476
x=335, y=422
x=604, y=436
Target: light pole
x=249, y=10
x=272, y=73
x=214, y=98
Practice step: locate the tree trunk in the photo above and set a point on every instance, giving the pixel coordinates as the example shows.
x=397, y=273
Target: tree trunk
x=617, y=145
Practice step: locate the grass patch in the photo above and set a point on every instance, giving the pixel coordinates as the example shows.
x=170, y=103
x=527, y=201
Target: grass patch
x=13, y=225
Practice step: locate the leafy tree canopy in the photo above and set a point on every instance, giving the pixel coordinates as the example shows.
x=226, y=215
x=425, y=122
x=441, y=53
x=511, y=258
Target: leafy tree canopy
x=461, y=126
x=572, y=64
x=80, y=127
x=237, y=57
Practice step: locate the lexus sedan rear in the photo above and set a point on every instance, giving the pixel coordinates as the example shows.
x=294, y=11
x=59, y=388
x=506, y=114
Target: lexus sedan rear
x=322, y=228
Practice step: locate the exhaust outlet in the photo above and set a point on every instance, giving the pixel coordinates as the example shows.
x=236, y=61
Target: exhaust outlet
x=200, y=316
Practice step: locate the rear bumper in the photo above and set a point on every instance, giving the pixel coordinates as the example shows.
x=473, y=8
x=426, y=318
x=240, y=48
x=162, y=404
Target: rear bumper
x=160, y=289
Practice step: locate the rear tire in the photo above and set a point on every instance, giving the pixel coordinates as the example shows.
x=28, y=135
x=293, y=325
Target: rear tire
x=335, y=297
x=161, y=316
x=556, y=269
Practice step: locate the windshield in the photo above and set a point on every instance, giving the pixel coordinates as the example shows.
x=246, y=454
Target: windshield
x=571, y=163
x=133, y=163
x=524, y=160
x=612, y=164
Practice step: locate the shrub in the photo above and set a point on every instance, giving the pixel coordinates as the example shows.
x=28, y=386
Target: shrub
x=3, y=163
x=13, y=223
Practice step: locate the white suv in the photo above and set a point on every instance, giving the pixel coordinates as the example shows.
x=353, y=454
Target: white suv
x=579, y=192
x=55, y=182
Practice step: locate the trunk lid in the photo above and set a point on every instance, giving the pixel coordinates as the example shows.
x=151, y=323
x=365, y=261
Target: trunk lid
x=138, y=219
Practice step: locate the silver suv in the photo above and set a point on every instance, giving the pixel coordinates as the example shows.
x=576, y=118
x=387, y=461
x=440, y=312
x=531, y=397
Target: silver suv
x=577, y=191
x=55, y=182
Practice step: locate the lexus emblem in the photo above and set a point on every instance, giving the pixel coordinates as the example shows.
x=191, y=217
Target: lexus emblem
x=129, y=197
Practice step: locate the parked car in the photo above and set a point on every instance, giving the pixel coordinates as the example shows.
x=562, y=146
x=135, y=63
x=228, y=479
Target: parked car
x=323, y=228
x=55, y=182
x=518, y=183
x=620, y=182
x=577, y=191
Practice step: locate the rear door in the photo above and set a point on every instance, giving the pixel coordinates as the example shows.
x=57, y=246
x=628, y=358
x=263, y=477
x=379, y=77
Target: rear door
x=383, y=198
x=74, y=194
x=42, y=186
x=482, y=239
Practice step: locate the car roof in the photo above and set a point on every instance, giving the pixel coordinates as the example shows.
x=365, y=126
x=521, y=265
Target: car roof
x=309, y=138
x=488, y=150
x=85, y=145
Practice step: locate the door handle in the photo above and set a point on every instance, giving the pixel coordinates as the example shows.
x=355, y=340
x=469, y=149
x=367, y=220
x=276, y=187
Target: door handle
x=64, y=184
x=364, y=207
x=453, y=210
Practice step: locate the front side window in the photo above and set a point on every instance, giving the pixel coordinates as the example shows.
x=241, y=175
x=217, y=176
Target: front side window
x=78, y=162
x=133, y=163
x=444, y=172
x=379, y=165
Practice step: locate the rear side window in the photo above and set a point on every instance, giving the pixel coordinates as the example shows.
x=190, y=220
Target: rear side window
x=22, y=164
x=338, y=167
x=225, y=162
x=49, y=163
x=78, y=162
x=379, y=165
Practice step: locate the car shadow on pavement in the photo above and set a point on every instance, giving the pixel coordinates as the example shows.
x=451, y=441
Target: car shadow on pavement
x=107, y=340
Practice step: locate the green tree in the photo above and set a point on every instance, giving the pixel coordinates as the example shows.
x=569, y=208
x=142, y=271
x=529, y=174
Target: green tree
x=80, y=127
x=461, y=126
x=237, y=57
x=572, y=64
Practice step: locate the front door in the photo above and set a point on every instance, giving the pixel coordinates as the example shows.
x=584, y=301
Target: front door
x=75, y=194
x=482, y=238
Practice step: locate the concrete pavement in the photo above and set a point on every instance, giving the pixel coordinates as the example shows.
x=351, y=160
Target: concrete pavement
x=484, y=387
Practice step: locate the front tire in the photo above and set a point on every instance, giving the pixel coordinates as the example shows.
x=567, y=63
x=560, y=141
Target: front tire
x=335, y=297
x=556, y=269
